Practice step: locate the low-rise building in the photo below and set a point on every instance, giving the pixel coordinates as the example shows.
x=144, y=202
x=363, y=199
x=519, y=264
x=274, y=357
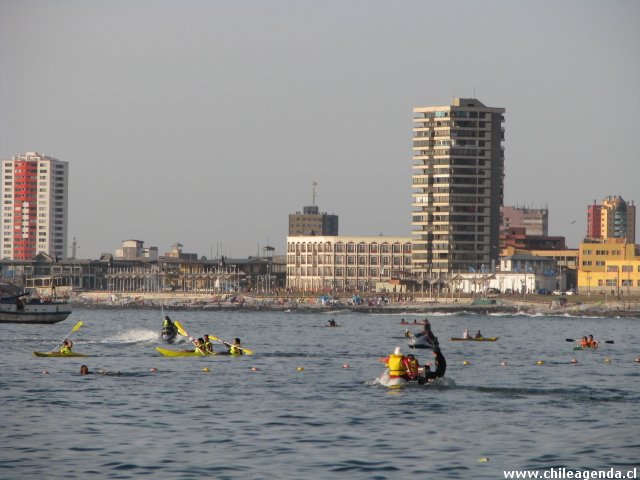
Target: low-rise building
x=343, y=263
x=135, y=250
x=610, y=267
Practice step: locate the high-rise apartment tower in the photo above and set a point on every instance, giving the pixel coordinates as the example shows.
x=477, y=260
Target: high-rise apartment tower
x=615, y=218
x=458, y=178
x=35, y=206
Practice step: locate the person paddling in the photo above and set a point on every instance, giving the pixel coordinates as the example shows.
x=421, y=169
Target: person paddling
x=591, y=343
x=199, y=344
x=66, y=347
x=206, y=343
x=235, y=348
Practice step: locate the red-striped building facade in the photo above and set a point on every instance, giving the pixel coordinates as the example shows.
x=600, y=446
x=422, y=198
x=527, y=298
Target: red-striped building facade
x=35, y=206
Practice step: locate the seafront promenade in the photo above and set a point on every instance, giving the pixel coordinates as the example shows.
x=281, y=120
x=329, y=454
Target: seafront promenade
x=531, y=305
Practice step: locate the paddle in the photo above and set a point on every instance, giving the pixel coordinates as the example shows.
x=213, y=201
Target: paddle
x=245, y=350
x=74, y=329
x=572, y=340
x=184, y=333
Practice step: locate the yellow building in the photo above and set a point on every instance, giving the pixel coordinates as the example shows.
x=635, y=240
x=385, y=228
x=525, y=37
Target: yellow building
x=611, y=268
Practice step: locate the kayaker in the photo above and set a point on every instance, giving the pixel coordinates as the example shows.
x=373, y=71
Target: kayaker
x=591, y=342
x=66, y=347
x=478, y=334
x=235, y=348
x=441, y=366
x=465, y=334
x=584, y=342
x=199, y=344
x=396, y=364
x=332, y=323
x=208, y=346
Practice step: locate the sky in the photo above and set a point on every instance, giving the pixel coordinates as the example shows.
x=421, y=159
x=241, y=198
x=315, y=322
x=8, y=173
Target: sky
x=205, y=122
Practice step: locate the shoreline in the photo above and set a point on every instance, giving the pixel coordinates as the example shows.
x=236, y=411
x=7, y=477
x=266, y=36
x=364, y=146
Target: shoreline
x=244, y=303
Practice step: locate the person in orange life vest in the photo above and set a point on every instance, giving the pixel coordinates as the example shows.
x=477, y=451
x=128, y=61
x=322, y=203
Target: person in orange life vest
x=412, y=367
x=396, y=364
x=584, y=343
x=591, y=342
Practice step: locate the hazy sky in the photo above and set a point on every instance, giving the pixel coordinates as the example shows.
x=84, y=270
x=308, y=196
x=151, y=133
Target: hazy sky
x=205, y=122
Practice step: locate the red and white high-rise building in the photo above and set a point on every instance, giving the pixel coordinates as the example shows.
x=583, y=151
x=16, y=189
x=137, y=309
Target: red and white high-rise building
x=35, y=206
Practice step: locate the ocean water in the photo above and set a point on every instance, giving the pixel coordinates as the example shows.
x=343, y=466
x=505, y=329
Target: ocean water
x=293, y=411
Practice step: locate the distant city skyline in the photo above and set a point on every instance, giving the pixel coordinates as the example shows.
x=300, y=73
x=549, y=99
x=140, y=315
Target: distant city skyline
x=205, y=123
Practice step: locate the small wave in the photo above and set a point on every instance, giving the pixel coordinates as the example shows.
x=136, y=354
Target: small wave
x=131, y=336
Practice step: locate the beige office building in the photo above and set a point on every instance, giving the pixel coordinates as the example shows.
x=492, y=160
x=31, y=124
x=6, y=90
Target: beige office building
x=458, y=178
x=328, y=263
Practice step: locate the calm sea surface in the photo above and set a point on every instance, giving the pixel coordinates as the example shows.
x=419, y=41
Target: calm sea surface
x=322, y=422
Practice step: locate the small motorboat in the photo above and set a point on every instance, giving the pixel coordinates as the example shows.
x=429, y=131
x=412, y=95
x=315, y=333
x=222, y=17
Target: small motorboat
x=24, y=308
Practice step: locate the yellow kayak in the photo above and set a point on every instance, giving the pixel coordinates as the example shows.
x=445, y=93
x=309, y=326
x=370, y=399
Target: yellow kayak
x=58, y=354
x=481, y=339
x=181, y=353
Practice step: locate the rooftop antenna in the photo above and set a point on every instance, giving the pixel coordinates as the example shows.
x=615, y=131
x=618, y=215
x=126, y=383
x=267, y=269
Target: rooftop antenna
x=313, y=184
x=474, y=91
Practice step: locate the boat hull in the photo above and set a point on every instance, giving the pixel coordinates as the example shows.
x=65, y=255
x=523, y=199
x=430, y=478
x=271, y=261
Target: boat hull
x=483, y=339
x=14, y=310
